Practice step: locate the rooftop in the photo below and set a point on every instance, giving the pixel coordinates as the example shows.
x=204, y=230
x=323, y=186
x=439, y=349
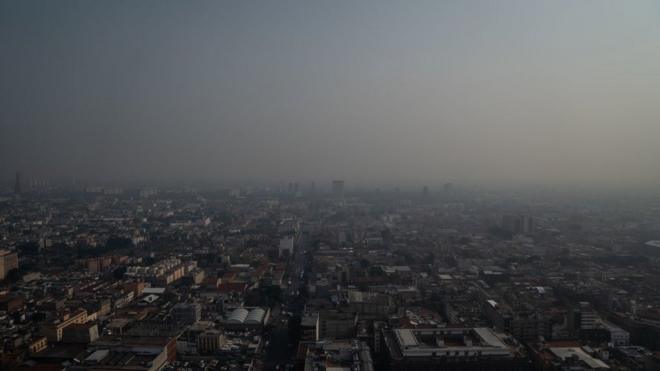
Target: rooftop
x=568, y=352
x=453, y=341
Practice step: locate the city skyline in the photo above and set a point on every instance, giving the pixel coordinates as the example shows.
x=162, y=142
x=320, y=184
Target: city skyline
x=289, y=185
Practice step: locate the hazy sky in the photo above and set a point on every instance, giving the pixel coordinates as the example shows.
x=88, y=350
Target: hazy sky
x=367, y=91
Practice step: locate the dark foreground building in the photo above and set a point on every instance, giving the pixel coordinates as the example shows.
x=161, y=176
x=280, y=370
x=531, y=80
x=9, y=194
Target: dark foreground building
x=453, y=349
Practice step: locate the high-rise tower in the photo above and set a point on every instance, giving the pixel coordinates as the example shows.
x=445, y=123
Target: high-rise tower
x=17, y=184
x=338, y=188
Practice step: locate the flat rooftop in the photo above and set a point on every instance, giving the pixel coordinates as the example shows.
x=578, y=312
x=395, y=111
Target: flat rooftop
x=452, y=342
x=569, y=352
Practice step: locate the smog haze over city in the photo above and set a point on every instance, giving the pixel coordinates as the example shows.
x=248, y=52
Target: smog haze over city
x=266, y=185
x=379, y=92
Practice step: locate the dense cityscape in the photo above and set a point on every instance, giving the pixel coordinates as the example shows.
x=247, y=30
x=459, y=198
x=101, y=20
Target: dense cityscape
x=295, y=185
x=299, y=278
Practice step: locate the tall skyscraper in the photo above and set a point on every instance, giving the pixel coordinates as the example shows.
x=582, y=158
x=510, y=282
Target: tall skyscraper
x=17, y=184
x=338, y=188
x=518, y=224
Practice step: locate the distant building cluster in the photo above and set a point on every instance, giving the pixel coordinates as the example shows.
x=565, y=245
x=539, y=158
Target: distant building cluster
x=300, y=278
